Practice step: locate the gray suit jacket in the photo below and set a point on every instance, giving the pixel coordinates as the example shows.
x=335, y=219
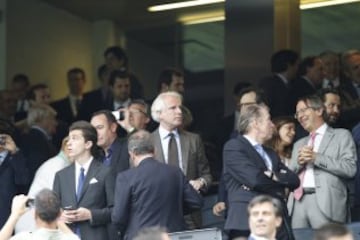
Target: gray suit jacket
x=335, y=163
x=97, y=195
x=194, y=160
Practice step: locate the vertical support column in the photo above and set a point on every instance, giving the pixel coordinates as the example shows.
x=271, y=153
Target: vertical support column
x=254, y=29
x=105, y=34
x=249, y=42
x=3, y=51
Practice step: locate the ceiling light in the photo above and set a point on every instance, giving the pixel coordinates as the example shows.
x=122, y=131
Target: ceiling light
x=319, y=4
x=204, y=20
x=185, y=4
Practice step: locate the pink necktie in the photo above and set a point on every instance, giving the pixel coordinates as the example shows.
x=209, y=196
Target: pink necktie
x=299, y=192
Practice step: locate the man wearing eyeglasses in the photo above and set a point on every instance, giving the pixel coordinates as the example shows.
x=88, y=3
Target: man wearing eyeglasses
x=324, y=160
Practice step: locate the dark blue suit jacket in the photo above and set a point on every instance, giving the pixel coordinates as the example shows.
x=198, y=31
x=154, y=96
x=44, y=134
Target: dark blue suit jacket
x=14, y=177
x=243, y=166
x=152, y=194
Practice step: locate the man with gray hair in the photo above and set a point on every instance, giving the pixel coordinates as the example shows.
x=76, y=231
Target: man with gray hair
x=37, y=143
x=178, y=147
x=251, y=169
x=47, y=213
x=324, y=161
x=151, y=193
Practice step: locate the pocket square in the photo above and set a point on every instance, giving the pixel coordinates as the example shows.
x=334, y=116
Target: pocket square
x=283, y=171
x=93, y=180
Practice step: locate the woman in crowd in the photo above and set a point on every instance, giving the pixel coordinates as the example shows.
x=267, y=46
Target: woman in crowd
x=282, y=140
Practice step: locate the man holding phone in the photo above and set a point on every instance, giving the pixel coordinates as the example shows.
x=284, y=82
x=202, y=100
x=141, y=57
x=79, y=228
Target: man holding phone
x=14, y=175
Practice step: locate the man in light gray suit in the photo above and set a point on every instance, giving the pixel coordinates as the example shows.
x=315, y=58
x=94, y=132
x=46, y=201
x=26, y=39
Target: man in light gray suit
x=324, y=161
x=175, y=146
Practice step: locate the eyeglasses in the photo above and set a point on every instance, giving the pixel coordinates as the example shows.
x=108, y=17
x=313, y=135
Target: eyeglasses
x=301, y=111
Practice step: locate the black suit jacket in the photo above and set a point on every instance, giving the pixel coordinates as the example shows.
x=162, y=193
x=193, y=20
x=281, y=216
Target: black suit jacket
x=97, y=195
x=277, y=95
x=120, y=156
x=94, y=101
x=14, y=177
x=37, y=148
x=244, y=178
x=152, y=194
x=64, y=111
x=300, y=88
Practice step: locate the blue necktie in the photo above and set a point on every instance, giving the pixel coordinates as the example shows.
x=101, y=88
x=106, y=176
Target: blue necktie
x=262, y=153
x=80, y=183
x=107, y=158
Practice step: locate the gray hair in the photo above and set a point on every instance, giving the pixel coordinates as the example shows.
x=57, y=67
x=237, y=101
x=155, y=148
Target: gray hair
x=159, y=103
x=314, y=101
x=47, y=205
x=345, y=58
x=150, y=233
x=248, y=115
x=140, y=143
x=266, y=199
x=38, y=112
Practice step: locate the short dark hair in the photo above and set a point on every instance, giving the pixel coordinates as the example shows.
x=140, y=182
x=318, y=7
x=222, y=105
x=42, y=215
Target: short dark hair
x=281, y=60
x=150, y=233
x=89, y=133
x=258, y=92
x=239, y=87
x=166, y=75
x=21, y=78
x=119, y=53
x=47, y=205
x=266, y=199
x=108, y=115
x=75, y=71
x=322, y=93
x=118, y=74
x=329, y=230
x=305, y=64
x=31, y=93
x=140, y=143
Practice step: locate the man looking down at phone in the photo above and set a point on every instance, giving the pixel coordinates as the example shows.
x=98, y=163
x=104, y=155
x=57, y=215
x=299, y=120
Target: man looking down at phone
x=86, y=187
x=47, y=213
x=14, y=175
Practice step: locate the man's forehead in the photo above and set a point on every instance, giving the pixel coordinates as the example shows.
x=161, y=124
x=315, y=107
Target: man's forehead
x=76, y=132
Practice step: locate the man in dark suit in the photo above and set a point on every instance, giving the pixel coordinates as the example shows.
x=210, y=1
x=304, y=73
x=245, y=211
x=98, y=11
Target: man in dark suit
x=68, y=108
x=97, y=99
x=37, y=143
x=251, y=169
x=115, y=149
x=284, y=65
x=151, y=193
x=14, y=175
x=311, y=76
x=86, y=187
x=265, y=216
x=178, y=147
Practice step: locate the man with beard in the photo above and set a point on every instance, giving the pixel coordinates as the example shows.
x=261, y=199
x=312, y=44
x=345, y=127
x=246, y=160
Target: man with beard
x=332, y=104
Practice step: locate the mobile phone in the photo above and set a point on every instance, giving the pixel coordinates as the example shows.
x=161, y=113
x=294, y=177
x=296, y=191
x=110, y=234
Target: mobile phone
x=69, y=207
x=30, y=203
x=119, y=115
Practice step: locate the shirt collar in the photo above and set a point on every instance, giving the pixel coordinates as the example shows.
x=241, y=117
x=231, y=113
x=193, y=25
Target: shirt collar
x=322, y=129
x=85, y=166
x=252, y=141
x=253, y=236
x=165, y=133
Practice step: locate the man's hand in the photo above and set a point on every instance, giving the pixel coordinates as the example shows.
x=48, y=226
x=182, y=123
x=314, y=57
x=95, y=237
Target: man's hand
x=9, y=143
x=80, y=214
x=197, y=184
x=125, y=123
x=218, y=208
x=18, y=206
x=306, y=155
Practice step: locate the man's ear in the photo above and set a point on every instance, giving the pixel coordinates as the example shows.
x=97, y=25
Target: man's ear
x=278, y=221
x=88, y=144
x=113, y=127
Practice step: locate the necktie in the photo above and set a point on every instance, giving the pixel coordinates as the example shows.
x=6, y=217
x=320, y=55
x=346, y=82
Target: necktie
x=77, y=105
x=80, y=183
x=173, y=157
x=299, y=192
x=262, y=153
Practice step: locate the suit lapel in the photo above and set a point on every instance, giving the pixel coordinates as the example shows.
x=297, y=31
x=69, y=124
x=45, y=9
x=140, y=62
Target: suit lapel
x=72, y=183
x=254, y=154
x=158, y=147
x=326, y=139
x=93, y=169
x=185, y=147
